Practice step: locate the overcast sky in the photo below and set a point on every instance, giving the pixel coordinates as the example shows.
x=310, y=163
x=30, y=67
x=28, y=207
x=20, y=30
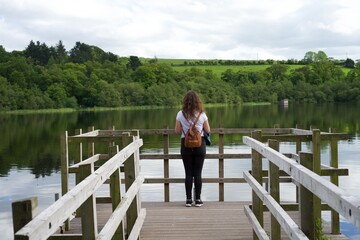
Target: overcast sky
x=202, y=29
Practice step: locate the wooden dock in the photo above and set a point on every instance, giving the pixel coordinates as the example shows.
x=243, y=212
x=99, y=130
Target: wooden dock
x=214, y=220
x=122, y=214
x=174, y=221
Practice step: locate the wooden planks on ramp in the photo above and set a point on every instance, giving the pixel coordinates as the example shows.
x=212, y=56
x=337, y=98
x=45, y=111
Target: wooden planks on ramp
x=214, y=220
x=174, y=221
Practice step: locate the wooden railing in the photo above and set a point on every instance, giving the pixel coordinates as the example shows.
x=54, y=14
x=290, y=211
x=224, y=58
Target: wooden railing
x=82, y=200
x=217, y=133
x=99, y=168
x=315, y=192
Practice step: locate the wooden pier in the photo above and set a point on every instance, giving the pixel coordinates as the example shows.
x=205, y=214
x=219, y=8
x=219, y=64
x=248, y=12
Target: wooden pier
x=213, y=221
x=78, y=214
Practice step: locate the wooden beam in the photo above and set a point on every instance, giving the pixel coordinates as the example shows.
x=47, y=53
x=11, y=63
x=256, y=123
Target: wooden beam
x=135, y=233
x=130, y=172
x=259, y=230
x=23, y=211
x=166, y=145
x=256, y=172
x=307, y=211
x=274, y=190
x=48, y=221
x=88, y=208
x=334, y=163
x=146, y=156
x=346, y=205
x=64, y=146
x=121, y=210
x=73, y=236
x=221, y=167
x=208, y=180
x=286, y=222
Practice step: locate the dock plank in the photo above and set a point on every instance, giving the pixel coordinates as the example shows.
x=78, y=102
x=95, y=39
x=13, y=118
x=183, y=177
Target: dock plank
x=174, y=221
x=212, y=221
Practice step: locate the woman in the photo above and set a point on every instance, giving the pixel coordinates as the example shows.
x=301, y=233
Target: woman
x=193, y=158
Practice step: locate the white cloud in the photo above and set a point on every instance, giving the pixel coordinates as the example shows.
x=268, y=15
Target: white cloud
x=244, y=29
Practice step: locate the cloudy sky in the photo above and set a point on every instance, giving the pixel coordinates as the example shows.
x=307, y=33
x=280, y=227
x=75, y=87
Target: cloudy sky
x=203, y=29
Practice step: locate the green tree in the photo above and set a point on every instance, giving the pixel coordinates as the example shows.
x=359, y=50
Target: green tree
x=18, y=78
x=39, y=53
x=132, y=94
x=7, y=95
x=81, y=53
x=315, y=57
x=321, y=56
x=106, y=95
x=60, y=53
x=228, y=75
x=277, y=71
x=134, y=63
x=3, y=54
x=309, y=57
x=57, y=93
x=349, y=63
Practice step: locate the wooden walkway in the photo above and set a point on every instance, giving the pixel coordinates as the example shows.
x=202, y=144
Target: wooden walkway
x=174, y=221
x=214, y=220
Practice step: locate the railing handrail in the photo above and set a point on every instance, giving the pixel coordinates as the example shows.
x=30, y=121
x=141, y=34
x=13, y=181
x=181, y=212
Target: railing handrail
x=341, y=201
x=49, y=225
x=49, y=220
x=117, y=133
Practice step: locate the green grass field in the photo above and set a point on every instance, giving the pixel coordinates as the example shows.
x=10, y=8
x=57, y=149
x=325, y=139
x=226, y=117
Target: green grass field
x=219, y=69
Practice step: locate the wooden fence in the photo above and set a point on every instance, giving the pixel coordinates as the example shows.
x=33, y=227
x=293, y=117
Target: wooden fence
x=82, y=200
x=315, y=192
x=88, y=180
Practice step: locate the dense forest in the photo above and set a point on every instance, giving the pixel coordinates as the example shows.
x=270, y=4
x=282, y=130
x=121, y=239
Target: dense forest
x=43, y=77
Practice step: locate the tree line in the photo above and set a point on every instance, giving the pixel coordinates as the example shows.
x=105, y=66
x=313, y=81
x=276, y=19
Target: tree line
x=41, y=77
x=309, y=57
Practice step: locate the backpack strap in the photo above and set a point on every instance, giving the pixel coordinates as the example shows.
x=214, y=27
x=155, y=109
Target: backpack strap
x=197, y=118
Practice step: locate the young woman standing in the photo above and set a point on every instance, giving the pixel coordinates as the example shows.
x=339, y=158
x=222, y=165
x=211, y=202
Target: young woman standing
x=193, y=158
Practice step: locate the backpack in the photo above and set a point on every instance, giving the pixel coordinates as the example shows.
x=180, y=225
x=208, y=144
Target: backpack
x=193, y=137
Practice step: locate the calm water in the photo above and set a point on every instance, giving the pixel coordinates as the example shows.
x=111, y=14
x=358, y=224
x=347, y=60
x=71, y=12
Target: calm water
x=30, y=149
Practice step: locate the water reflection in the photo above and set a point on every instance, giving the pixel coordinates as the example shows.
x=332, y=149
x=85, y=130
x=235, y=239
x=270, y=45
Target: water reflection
x=30, y=148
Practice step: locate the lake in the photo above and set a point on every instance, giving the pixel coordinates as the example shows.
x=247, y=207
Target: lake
x=30, y=149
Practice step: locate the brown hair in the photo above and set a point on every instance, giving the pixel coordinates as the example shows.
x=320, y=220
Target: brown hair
x=191, y=104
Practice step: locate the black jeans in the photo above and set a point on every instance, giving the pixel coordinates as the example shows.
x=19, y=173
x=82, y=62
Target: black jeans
x=193, y=159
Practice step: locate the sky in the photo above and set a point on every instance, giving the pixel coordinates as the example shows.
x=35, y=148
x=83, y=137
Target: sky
x=188, y=29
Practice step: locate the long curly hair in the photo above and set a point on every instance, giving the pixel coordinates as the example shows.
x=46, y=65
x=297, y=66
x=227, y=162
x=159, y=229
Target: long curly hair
x=191, y=104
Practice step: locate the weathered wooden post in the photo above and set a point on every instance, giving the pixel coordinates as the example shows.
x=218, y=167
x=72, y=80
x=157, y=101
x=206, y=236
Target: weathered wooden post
x=91, y=145
x=298, y=149
x=221, y=164
x=274, y=181
x=316, y=139
x=256, y=171
x=64, y=155
x=335, y=219
x=78, y=158
x=115, y=193
x=306, y=203
x=166, y=165
x=88, y=208
x=23, y=211
x=131, y=171
x=298, y=143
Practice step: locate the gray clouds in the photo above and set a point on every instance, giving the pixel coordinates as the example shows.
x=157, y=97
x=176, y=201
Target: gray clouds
x=228, y=29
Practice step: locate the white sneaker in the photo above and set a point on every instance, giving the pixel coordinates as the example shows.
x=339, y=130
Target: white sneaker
x=198, y=203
